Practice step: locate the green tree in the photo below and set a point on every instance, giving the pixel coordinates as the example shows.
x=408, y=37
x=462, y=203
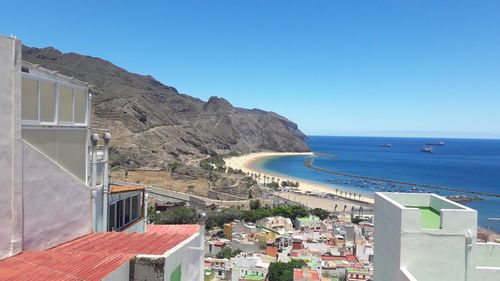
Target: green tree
x=227, y=253
x=321, y=213
x=273, y=185
x=254, y=204
x=180, y=215
x=153, y=216
x=280, y=271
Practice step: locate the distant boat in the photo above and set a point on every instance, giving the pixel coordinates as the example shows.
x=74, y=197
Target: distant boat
x=427, y=149
x=440, y=143
x=385, y=145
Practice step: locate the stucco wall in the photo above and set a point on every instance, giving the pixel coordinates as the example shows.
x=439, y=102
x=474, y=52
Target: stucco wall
x=402, y=245
x=488, y=254
x=67, y=147
x=57, y=206
x=192, y=260
x=10, y=147
x=387, y=245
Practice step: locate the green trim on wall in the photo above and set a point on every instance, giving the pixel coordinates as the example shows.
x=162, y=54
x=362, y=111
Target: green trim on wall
x=176, y=274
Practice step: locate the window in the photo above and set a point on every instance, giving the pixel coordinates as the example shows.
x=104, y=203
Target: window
x=112, y=217
x=127, y=210
x=29, y=96
x=119, y=214
x=135, y=207
x=65, y=104
x=124, y=211
x=47, y=101
x=80, y=105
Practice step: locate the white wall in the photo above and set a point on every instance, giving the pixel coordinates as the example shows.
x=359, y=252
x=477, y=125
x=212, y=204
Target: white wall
x=428, y=254
x=191, y=260
x=10, y=148
x=56, y=205
x=387, y=244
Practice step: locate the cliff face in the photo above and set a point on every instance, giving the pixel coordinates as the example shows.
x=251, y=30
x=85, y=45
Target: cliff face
x=152, y=123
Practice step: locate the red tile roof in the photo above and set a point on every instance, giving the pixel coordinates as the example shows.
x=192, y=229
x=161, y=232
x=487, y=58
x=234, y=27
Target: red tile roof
x=302, y=275
x=124, y=188
x=94, y=256
x=271, y=251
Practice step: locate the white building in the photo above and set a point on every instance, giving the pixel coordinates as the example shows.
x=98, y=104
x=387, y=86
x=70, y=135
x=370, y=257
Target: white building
x=56, y=202
x=427, y=237
x=245, y=266
x=279, y=224
x=310, y=223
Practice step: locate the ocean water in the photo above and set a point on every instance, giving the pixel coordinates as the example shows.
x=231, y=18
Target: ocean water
x=468, y=164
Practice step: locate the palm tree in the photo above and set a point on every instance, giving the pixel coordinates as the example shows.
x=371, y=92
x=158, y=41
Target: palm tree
x=337, y=191
x=341, y=192
x=359, y=195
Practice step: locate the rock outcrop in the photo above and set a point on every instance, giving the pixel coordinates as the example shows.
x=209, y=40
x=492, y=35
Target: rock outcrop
x=153, y=124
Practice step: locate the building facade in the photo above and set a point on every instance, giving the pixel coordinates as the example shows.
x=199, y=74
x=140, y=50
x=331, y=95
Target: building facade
x=60, y=216
x=428, y=237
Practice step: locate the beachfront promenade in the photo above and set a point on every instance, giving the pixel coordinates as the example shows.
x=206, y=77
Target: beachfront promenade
x=244, y=163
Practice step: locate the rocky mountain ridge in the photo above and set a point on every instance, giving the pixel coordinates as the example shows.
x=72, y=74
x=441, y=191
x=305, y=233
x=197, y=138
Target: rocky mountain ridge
x=153, y=124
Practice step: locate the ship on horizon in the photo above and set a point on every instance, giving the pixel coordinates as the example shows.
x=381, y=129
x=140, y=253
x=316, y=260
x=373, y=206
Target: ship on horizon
x=427, y=149
x=440, y=143
x=385, y=145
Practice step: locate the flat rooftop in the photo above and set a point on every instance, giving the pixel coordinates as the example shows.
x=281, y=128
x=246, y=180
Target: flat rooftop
x=431, y=219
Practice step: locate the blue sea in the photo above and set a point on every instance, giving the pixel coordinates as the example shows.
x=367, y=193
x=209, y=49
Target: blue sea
x=468, y=164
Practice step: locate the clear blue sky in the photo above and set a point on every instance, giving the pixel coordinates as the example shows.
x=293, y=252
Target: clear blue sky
x=335, y=67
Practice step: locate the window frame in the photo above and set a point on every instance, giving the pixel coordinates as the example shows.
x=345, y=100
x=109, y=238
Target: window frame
x=57, y=84
x=119, y=223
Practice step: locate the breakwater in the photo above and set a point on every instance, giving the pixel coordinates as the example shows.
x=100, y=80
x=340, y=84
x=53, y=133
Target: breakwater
x=309, y=163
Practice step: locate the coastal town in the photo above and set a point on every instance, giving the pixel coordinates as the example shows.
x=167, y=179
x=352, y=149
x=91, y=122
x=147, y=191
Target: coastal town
x=77, y=207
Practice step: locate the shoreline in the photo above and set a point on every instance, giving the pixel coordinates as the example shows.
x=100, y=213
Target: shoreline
x=245, y=162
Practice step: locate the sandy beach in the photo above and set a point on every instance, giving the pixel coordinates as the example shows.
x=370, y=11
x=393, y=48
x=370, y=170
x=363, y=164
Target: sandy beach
x=244, y=162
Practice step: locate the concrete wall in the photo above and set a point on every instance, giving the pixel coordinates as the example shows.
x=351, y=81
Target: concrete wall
x=188, y=254
x=57, y=206
x=415, y=200
x=10, y=148
x=67, y=147
x=488, y=254
x=401, y=245
x=191, y=260
x=137, y=226
x=387, y=246
x=487, y=262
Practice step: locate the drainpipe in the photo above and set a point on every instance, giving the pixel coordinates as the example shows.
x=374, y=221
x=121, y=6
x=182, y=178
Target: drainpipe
x=202, y=217
x=145, y=206
x=93, y=180
x=468, y=249
x=105, y=182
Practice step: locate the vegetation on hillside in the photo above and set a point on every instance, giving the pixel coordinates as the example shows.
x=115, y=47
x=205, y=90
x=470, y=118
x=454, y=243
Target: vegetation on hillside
x=217, y=218
x=283, y=271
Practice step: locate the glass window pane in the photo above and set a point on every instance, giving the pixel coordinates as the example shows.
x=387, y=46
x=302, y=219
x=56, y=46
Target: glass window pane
x=65, y=104
x=119, y=214
x=80, y=105
x=47, y=101
x=111, y=217
x=135, y=207
x=127, y=210
x=29, y=100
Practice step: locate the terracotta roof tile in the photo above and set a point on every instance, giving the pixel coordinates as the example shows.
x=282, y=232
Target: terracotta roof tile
x=94, y=256
x=124, y=188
